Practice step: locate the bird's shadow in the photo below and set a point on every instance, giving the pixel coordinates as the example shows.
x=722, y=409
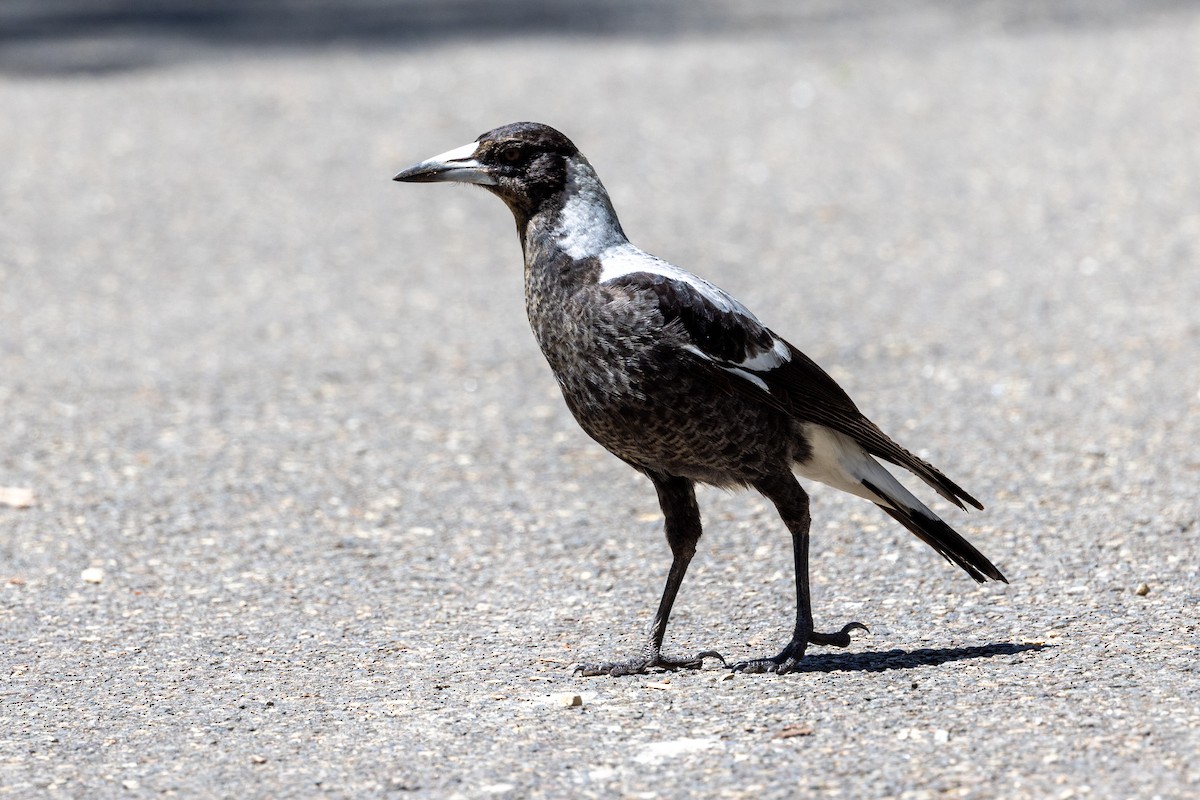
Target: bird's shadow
x=884, y=660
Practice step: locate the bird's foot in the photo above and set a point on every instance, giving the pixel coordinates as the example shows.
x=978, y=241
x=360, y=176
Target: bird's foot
x=789, y=658
x=642, y=665
x=839, y=639
x=785, y=662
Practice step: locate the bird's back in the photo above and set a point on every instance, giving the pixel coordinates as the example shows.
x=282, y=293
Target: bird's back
x=628, y=378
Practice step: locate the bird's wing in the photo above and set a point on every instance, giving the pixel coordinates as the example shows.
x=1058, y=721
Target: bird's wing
x=726, y=336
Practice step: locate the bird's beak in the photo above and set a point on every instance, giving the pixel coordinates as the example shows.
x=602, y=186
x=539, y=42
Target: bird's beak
x=458, y=165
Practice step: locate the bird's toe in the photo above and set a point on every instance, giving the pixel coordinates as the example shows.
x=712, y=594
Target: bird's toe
x=839, y=639
x=695, y=662
x=642, y=665
x=779, y=665
x=787, y=660
x=635, y=666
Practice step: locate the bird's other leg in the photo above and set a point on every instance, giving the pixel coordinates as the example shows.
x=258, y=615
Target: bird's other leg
x=792, y=503
x=677, y=497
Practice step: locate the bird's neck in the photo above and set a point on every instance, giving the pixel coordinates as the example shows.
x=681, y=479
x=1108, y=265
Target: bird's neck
x=579, y=221
x=564, y=243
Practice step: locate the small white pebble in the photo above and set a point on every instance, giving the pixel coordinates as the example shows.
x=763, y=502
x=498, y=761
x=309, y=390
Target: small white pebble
x=496, y=788
x=16, y=496
x=941, y=736
x=568, y=700
x=92, y=575
x=1142, y=589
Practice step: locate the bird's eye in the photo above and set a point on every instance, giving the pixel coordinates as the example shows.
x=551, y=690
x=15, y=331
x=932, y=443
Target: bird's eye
x=511, y=154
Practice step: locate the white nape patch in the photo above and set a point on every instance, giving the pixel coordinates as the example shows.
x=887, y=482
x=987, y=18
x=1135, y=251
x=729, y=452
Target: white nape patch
x=840, y=462
x=588, y=228
x=587, y=225
x=776, y=356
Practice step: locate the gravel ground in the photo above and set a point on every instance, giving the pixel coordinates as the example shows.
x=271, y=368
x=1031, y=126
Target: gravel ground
x=309, y=516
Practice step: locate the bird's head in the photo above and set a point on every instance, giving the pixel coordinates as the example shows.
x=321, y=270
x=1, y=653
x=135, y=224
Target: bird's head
x=524, y=163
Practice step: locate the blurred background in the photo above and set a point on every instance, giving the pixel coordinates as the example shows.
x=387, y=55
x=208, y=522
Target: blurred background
x=69, y=36
x=274, y=435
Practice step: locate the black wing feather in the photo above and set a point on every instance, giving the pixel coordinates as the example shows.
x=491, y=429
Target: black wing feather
x=725, y=335
x=817, y=398
x=730, y=336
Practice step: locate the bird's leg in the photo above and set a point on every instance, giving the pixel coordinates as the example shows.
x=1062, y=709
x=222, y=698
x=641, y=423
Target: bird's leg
x=792, y=503
x=682, y=521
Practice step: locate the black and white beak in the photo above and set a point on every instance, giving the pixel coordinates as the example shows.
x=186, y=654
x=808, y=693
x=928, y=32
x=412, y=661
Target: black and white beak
x=458, y=165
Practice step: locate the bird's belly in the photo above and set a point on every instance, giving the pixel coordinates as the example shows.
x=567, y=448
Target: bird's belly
x=680, y=424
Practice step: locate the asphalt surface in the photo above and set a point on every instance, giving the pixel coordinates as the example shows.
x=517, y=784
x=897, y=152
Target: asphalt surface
x=310, y=518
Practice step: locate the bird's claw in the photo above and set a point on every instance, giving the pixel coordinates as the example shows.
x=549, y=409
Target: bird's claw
x=839, y=639
x=785, y=662
x=789, y=659
x=780, y=665
x=640, y=666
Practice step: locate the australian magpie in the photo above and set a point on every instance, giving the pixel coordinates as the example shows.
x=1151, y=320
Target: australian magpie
x=682, y=382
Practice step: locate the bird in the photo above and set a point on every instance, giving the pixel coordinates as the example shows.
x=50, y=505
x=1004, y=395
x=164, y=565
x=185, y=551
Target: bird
x=682, y=382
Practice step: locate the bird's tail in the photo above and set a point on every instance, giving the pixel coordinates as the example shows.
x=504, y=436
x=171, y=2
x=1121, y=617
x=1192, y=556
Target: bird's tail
x=839, y=461
x=910, y=512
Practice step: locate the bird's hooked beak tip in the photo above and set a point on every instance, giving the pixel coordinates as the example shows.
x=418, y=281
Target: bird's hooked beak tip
x=454, y=166
x=417, y=173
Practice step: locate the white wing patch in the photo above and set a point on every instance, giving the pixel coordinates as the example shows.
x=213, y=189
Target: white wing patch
x=732, y=370
x=626, y=259
x=585, y=231
x=776, y=356
x=750, y=376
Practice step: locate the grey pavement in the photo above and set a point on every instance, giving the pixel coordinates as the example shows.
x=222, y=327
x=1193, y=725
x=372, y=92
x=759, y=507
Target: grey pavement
x=309, y=517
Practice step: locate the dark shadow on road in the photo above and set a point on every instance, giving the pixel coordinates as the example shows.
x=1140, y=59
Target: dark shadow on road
x=98, y=36
x=908, y=659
